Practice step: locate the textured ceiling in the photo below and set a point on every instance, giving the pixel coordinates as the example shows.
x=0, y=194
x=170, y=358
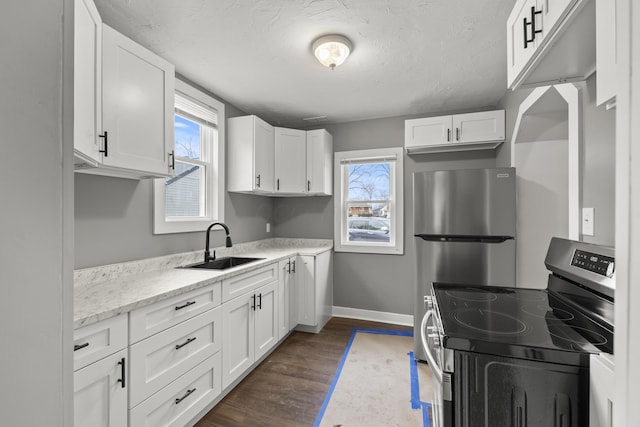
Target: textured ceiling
x=410, y=56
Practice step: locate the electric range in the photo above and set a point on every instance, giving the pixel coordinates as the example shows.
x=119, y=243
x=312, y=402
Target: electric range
x=513, y=356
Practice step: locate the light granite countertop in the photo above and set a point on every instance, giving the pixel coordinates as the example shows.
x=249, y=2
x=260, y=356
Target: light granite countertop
x=106, y=291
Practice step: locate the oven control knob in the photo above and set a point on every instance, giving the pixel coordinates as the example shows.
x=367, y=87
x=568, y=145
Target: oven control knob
x=610, y=269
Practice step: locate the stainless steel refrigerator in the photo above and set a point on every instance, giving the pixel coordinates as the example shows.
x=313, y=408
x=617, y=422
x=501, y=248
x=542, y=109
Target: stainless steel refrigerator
x=464, y=222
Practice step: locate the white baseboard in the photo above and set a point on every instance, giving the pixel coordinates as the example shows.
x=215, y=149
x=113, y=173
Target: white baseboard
x=374, y=316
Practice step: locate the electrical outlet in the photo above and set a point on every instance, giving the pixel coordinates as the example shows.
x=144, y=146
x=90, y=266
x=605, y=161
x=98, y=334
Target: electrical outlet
x=588, y=221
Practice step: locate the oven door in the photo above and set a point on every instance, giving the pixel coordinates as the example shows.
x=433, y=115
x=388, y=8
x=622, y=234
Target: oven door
x=442, y=408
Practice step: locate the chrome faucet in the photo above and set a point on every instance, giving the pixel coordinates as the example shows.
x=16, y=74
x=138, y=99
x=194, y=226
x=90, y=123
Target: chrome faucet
x=207, y=254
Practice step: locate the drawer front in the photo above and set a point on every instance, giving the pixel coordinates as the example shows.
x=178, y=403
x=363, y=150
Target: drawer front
x=243, y=283
x=164, y=314
x=93, y=342
x=161, y=358
x=183, y=399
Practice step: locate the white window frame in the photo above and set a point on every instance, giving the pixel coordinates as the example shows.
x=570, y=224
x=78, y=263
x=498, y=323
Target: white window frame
x=341, y=243
x=215, y=179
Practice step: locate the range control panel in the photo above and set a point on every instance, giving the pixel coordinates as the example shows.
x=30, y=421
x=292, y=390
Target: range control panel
x=599, y=264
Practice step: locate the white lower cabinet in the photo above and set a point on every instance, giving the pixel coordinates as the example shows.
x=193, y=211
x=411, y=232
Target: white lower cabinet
x=100, y=380
x=287, y=314
x=183, y=399
x=163, y=357
x=314, y=288
x=602, y=390
x=100, y=393
x=250, y=330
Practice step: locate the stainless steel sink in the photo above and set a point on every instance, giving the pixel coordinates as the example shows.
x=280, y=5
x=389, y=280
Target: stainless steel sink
x=223, y=263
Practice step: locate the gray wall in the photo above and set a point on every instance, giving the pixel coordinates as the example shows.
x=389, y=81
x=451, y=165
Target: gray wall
x=370, y=281
x=597, y=159
x=36, y=362
x=114, y=220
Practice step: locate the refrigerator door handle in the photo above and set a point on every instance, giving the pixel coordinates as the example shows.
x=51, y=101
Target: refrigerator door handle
x=460, y=238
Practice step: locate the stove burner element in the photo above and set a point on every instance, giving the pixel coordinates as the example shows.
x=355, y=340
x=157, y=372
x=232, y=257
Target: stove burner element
x=488, y=321
x=548, y=313
x=560, y=331
x=469, y=294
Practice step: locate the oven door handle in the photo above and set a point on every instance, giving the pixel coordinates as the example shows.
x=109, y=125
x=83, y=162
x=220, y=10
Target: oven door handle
x=435, y=369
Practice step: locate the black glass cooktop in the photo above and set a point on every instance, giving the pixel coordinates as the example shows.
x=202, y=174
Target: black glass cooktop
x=526, y=323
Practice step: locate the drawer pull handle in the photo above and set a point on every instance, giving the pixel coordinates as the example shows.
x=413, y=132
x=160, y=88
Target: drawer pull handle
x=80, y=346
x=260, y=301
x=187, y=304
x=122, y=372
x=179, y=346
x=187, y=394
x=253, y=302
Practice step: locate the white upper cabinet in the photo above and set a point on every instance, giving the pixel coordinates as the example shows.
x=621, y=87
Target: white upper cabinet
x=550, y=41
x=123, y=102
x=458, y=132
x=276, y=161
x=606, y=52
x=87, y=65
x=290, y=160
x=251, y=155
x=137, y=106
x=319, y=162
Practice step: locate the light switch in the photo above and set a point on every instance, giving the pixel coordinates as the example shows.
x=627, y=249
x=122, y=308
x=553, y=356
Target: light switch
x=587, y=221
x=268, y=227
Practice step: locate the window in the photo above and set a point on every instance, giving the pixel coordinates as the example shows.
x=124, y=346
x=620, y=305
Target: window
x=369, y=201
x=194, y=196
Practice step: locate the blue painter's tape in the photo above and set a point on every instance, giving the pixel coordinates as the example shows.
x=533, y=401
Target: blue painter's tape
x=334, y=382
x=415, y=385
x=425, y=414
x=384, y=332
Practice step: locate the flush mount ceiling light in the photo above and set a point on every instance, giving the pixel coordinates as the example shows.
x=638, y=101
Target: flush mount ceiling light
x=331, y=50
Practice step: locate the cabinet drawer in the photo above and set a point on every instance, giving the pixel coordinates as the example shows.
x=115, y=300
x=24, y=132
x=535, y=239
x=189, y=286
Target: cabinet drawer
x=243, y=283
x=183, y=399
x=93, y=342
x=161, y=358
x=164, y=314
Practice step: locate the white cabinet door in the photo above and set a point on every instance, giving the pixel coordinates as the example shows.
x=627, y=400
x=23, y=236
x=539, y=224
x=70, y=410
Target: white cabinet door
x=290, y=160
x=319, y=162
x=266, y=318
x=606, y=51
x=427, y=131
x=602, y=390
x=552, y=12
x=238, y=337
x=138, y=105
x=264, y=155
x=479, y=127
x=250, y=155
x=284, y=304
x=305, y=270
x=521, y=43
x=100, y=393
x=87, y=81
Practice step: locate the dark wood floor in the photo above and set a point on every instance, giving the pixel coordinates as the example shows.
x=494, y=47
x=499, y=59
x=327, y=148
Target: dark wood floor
x=288, y=388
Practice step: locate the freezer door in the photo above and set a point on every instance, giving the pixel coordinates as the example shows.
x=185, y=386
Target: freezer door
x=473, y=202
x=473, y=263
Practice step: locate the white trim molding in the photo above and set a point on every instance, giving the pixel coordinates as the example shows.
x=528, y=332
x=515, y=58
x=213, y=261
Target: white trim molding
x=374, y=316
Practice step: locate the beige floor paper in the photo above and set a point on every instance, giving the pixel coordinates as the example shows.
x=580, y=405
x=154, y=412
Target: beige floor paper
x=374, y=387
